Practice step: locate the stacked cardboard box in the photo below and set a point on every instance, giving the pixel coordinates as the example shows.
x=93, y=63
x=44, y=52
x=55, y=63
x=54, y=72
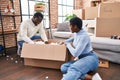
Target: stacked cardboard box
x=79, y=13
x=108, y=20
x=107, y=17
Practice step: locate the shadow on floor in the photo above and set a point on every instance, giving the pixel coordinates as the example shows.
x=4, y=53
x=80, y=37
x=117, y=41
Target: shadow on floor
x=12, y=68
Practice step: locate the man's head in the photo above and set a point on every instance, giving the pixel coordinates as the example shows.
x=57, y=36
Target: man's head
x=37, y=18
x=76, y=24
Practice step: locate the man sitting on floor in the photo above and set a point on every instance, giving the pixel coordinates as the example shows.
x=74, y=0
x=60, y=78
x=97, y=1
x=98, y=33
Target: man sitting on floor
x=28, y=30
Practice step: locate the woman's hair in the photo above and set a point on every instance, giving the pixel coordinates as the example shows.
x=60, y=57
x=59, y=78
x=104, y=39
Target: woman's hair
x=38, y=14
x=76, y=21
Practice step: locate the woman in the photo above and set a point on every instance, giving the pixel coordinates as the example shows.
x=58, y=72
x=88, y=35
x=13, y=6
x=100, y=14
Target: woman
x=79, y=46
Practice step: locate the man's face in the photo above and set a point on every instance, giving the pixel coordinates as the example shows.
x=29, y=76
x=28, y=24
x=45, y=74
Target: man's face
x=37, y=20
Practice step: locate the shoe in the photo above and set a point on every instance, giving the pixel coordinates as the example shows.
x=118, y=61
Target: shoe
x=96, y=77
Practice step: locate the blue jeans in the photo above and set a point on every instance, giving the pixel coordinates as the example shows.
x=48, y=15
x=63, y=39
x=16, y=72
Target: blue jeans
x=33, y=38
x=75, y=70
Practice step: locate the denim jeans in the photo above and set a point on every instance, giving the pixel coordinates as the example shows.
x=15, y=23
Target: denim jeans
x=75, y=70
x=33, y=38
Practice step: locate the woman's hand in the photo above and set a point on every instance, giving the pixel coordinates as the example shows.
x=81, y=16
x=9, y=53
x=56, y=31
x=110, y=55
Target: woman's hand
x=72, y=45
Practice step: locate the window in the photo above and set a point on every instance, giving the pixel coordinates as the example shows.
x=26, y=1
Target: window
x=27, y=10
x=64, y=7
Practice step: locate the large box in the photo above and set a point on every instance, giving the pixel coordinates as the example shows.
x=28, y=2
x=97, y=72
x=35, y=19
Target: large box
x=109, y=10
x=91, y=12
x=44, y=55
x=79, y=13
x=106, y=27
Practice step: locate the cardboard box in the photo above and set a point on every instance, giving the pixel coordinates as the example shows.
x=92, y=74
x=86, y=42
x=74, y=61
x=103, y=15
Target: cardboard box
x=106, y=27
x=39, y=7
x=91, y=12
x=109, y=10
x=79, y=13
x=43, y=63
x=44, y=55
x=103, y=63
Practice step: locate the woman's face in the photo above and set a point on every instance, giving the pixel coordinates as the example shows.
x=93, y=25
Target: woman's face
x=74, y=28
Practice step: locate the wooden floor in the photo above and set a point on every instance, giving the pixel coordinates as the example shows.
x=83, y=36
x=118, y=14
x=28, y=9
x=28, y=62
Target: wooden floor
x=12, y=68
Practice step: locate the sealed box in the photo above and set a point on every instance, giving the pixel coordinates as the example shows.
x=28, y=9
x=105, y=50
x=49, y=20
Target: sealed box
x=79, y=13
x=109, y=10
x=91, y=12
x=44, y=55
x=107, y=27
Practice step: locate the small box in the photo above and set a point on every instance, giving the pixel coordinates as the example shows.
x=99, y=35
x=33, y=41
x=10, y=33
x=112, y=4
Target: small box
x=91, y=12
x=103, y=63
x=79, y=13
x=39, y=7
x=44, y=55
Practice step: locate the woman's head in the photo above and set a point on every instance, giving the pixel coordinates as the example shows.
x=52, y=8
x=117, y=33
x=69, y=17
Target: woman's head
x=76, y=24
x=37, y=18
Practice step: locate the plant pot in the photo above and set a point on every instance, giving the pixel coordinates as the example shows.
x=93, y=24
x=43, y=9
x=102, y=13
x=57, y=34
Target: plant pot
x=39, y=8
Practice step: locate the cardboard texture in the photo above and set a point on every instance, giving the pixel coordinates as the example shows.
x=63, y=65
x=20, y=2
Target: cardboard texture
x=109, y=10
x=43, y=63
x=103, y=63
x=106, y=27
x=39, y=7
x=79, y=13
x=91, y=12
x=47, y=52
x=42, y=55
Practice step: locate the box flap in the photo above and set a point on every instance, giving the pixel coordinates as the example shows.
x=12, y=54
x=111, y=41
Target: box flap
x=45, y=51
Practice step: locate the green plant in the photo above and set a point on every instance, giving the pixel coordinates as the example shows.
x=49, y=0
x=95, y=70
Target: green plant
x=68, y=16
x=40, y=3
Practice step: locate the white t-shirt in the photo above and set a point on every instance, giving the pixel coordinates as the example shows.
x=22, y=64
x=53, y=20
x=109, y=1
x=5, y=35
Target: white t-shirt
x=27, y=30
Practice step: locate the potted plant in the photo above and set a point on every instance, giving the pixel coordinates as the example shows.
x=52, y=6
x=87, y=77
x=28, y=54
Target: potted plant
x=39, y=7
x=68, y=16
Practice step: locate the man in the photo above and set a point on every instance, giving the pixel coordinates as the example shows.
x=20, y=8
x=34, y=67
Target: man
x=29, y=28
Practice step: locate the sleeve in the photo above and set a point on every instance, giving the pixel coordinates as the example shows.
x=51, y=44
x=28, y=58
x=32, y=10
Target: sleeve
x=23, y=33
x=79, y=48
x=42, y=33
x=69, y=40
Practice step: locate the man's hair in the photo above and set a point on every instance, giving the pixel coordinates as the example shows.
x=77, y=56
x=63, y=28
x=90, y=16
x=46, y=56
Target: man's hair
x=76, y=21
x=38, y=14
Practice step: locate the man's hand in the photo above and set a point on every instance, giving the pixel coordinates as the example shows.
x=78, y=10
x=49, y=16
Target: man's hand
x=61, y=43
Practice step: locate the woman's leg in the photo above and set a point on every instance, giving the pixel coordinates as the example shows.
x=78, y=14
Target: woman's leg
x=65, y=66
x=81, y=67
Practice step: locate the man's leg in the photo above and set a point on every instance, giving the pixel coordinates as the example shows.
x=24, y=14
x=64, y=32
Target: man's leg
x=20, y=44
x=35, y=37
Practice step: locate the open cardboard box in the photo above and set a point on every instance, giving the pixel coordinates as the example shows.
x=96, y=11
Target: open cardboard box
x=44, y=55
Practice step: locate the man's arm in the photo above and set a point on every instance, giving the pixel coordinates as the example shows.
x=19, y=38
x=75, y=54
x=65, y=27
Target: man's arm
x=23, y=33
x=43, y=34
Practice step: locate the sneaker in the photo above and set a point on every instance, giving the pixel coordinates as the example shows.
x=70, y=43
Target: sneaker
x=96, y=77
